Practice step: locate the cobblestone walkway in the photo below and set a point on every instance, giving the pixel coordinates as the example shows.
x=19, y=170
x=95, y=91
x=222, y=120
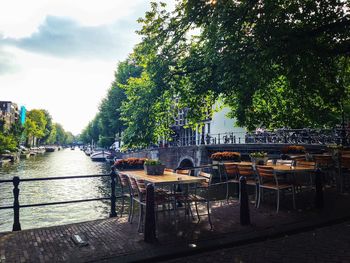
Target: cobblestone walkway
x=114, y=239
x=327, y=244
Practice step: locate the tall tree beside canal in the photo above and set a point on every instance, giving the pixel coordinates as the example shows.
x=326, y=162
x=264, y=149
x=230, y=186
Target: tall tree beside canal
x=275, y=63
x=108, y=124
x=35, y=126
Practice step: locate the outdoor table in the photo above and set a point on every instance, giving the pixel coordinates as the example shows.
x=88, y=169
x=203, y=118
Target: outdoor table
x=168, y=178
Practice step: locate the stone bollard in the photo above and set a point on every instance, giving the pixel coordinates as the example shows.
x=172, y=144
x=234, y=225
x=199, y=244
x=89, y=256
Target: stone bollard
x=16, y=224
x=113, y=175
x=244, y=202
x=319, y=202
x=150, y=219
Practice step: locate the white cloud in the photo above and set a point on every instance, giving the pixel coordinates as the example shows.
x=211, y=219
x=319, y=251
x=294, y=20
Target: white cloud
x=64, y=37
x=20, y=18
x=60, y=55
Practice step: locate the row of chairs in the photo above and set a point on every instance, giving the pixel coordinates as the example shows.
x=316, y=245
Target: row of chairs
x=135, y=190
x=217, y=188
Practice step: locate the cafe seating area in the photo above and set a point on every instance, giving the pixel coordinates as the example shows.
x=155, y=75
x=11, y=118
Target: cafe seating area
x=189, y=193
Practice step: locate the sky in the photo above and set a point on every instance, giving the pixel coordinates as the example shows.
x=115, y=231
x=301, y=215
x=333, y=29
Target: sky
x=60, y=55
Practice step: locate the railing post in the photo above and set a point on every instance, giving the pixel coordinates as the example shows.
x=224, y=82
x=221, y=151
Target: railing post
x=16, y=224
x=319, y=202
x=150, y=220
x=244, y=202
x=219, y=138
x=113, y=196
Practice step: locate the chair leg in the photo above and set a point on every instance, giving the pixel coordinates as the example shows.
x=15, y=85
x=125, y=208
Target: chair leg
x=196, y=206
x=256, y=195
x=293, y=195
x=140, y=218
x=130, y=209
x=209, y=219
x=278, y=201
x=123, y=202
x=259, y=196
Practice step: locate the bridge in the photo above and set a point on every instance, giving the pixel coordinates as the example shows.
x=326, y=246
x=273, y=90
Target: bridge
x=196, y=155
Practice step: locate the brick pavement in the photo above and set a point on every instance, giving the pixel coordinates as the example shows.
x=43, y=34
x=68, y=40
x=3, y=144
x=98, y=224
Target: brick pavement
x=116, y=239
x=326, y=244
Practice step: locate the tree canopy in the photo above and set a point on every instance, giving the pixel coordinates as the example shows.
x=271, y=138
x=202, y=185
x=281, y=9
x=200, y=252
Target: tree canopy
x=274, y=63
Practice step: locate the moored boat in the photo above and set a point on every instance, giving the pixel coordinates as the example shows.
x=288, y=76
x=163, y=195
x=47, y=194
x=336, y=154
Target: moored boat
x=50, y=148
x=100, y=156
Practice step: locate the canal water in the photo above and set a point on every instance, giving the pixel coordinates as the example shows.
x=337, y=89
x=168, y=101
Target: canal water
x=60, y=163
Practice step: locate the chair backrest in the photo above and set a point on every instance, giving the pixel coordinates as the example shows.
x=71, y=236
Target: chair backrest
x=245, y=170
x=123, y=179
x=284, y=162
x=138, y=187
x=207, y=177
x=323, y=161
x=168, y=170
x=184, y=172
x=231, y=170
x=266, y=173
x=306, y=164
x=299, y=158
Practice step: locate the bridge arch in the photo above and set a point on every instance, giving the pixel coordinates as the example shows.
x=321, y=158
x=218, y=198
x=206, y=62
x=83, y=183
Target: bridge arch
x=186, y=161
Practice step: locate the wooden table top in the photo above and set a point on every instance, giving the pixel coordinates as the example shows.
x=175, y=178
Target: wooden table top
x=166, y=178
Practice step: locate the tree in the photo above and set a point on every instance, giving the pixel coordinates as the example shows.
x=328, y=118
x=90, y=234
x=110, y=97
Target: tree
x=60, y=134
x=35, y=125
x=252, y=53
x=8, y=142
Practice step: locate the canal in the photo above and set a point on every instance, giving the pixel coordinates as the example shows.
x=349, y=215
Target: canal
x=60, y=163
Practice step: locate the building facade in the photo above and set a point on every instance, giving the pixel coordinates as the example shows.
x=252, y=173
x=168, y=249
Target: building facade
x=215, y=130
x=9, y=114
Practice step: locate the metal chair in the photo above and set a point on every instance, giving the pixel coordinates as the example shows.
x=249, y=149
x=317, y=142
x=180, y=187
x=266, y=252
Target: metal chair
x=125, y=191
x=269, y=180
x=208, y=192
x=327, y=165
x=231, y=174
x=138, y=193
x=248, y=172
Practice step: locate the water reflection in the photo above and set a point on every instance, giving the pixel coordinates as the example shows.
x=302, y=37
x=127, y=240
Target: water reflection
x=61, y=163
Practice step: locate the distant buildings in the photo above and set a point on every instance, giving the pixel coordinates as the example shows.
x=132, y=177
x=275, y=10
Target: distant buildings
x=9, y=114
x=216, y=130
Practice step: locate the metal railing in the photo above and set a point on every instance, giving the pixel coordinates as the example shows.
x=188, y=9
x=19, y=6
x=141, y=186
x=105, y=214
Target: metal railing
x=16, y=206
x=278, y=136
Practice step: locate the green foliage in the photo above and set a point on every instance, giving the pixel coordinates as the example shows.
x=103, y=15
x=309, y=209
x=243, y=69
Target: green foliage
x=258, y=154
x=152, y=162
x=8, y=142
x=36, y=123
x=274, y=63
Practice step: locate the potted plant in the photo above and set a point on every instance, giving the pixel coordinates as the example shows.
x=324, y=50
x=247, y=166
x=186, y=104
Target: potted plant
x=259, y=158
x=292, y=150
x=153, y=167
x=226, y=156
x=129, y=163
